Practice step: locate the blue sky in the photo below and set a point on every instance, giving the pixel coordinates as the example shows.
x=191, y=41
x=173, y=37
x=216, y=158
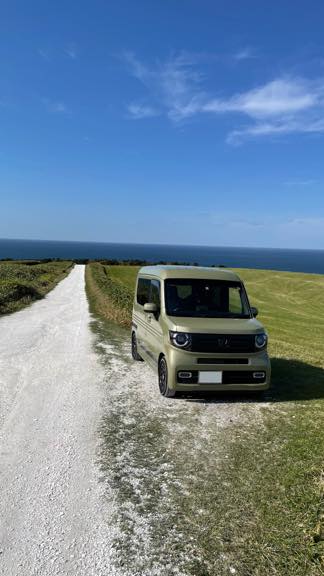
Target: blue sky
x=170, y=121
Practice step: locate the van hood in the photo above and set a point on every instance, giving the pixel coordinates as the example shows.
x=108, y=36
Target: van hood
x=215, y=325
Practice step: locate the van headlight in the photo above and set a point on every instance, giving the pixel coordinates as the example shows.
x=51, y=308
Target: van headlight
x=180, y=339
x=261, y=340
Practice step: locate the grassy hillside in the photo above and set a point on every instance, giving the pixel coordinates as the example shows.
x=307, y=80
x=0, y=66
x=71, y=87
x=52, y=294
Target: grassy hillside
x=23, y=282
x=111, y=291
x=269, y=497
x=292, y=308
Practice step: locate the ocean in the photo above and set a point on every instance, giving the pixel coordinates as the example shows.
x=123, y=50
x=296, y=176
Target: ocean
x=311, y=261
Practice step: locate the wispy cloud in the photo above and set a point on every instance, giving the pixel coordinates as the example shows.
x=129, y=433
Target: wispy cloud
x=55, y=106
x=275, y=230
x=59, y=107
x=284, y=105
x=71, y=50
x=282, y=126
x=137, y=68
x=139, y=111
x=309, y=222
x=300, y=183
x=173, y=85
x=244, y=54
x=44, y=54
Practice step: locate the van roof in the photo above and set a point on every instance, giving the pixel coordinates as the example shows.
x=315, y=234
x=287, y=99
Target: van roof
x=203, y=272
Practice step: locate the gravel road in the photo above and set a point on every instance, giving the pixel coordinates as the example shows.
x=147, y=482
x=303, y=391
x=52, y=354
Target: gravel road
x=99, y=474
x=52, y=516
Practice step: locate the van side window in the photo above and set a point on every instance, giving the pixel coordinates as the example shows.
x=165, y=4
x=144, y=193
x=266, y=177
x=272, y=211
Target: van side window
x=143, y=291
x=155, y=293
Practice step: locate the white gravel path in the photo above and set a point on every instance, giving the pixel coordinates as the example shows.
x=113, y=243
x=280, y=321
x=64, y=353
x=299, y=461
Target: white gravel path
x=53, y=518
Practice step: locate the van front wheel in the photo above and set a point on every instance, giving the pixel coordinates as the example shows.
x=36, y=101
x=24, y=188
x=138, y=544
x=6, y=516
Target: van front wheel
x=135, y=354
x=163, y=379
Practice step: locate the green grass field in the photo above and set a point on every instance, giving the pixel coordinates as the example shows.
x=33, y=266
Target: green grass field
x=269, y=495
x=23, y=282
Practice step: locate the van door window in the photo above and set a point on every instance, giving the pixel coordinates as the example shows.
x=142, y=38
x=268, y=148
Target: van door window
x=155, y=293
x=143, y=291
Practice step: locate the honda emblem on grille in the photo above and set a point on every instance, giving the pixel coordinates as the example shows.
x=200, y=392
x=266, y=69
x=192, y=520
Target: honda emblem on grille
x=222, y=342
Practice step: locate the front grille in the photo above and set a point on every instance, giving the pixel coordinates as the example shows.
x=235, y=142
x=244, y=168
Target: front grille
x=222, y=361
x=223, y=343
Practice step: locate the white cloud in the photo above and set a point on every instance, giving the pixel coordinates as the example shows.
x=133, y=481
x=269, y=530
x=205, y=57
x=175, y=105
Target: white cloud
x=284, y=105
x=280, y=96
x=139, y=111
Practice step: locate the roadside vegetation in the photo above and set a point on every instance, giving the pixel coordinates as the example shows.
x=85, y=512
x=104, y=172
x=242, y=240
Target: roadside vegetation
x=23, y=282
x=252, y=497
x=111, y=291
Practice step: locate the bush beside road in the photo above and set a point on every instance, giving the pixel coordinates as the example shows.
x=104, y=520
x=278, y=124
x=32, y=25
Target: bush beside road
x=22, y=282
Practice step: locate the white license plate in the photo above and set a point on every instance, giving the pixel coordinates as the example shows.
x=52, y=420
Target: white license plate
x=210, y=377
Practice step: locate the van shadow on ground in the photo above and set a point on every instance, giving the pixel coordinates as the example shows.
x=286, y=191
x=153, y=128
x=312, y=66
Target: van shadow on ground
x=291, y=380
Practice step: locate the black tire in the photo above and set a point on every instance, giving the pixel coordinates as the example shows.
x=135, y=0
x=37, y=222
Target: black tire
x=135, y=354
x=163, y=379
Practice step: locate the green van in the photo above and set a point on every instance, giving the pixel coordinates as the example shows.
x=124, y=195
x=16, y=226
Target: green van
x=196, y=328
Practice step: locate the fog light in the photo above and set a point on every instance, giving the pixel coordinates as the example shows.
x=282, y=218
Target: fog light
x=258, y=374
x=185, y=374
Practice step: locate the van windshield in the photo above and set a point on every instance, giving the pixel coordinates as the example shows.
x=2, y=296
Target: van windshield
x=206, y=298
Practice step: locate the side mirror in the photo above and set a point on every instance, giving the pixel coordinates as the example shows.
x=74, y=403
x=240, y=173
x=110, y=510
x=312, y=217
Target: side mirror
x=150, y=308
x=254, y=311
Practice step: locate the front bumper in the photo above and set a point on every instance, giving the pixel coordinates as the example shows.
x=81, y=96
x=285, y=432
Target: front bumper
x=237, y=369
